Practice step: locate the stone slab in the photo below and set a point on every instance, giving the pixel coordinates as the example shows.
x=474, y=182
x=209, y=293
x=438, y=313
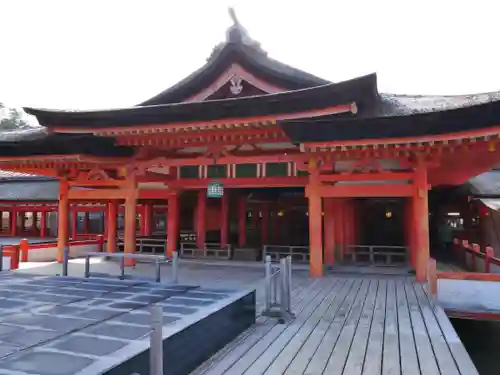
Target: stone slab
x=71, y=326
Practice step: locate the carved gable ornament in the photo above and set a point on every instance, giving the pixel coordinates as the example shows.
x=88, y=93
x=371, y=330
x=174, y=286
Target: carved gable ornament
x=236, y=85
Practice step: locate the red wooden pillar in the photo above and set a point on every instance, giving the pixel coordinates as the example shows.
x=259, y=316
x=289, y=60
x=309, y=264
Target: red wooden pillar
x=265, y=224
x=148, y=219
x=338, y=228
x=329, y=247
x=421, y=221
x=315, y=227
x=13, y=222
x=62, y=219
x=274, y=222
x=201, y=219
x=173, y=224
x=242, y=222
x=224, y=218
x=409, y=231
x=74, y=221
x=43, y=223
x=111, y=214
x=130, y=241
x=86, y=222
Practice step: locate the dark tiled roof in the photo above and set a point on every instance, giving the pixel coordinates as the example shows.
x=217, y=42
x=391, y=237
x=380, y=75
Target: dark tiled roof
x=29, y=190
x=66, y=144
x=272, y=104
x=399, y=116
x=238, y=48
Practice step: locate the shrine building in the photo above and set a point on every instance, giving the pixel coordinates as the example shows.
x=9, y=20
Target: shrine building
x=256, y=157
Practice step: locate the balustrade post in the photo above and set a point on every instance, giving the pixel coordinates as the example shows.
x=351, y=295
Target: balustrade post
x=267, y=278
x=475, y=251
x=65, y=261
x=432, y=279
x=489, y=253
x=175, y=267
x=24, y=247
x=87, y=267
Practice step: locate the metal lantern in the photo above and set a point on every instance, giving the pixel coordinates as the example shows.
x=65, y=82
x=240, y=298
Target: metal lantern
x=215, y=189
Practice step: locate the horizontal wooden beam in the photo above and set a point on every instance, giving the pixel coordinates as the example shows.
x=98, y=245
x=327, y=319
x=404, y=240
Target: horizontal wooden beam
x=282, y=156
x=365, y=191
x=382, y=176
x=97, y=194
x=293, y=181
x=475, y=276
x=155, y=193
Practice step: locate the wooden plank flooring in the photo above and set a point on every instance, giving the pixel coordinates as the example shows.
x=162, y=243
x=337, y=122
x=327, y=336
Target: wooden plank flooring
x=349, y=326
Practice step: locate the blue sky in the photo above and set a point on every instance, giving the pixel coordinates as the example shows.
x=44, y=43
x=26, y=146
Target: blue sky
x=103, y=54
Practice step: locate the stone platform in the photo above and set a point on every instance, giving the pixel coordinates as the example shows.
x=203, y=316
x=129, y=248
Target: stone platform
x=52, y=325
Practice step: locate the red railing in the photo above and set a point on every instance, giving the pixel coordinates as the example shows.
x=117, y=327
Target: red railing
x=25, y=247
x=478, y=263
x=473, y=258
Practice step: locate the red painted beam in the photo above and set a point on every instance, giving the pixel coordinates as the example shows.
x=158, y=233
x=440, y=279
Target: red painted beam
x=365, y=191
x=241, y=182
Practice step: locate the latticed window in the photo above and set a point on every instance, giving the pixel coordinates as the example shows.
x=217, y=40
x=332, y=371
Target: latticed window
x=217, y=171
x=277, y=169
x=189, y=171
x=246, y=170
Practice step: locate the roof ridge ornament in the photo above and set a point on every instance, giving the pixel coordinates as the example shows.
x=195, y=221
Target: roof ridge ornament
x=236, y=34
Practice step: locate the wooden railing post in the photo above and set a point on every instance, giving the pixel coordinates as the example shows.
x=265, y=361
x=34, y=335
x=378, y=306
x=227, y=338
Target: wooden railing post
x=24, y=247
x=100, y=242
x=475, y=251
x=14, y=260
x=489, y=254
x=465, y=246
x=432, y=278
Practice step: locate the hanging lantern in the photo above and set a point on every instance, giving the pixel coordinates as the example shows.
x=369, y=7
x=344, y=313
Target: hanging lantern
x=215, y=189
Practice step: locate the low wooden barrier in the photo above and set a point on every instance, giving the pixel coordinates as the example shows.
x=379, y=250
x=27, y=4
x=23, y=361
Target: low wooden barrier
x=146, y=245
x=47, y=252
x=376, y=254
x=473, y=258
x=210, y=250
x=298, y=254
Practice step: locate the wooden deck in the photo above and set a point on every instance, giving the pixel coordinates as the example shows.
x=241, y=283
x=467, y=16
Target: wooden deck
x=350, y=326
x=345, y=325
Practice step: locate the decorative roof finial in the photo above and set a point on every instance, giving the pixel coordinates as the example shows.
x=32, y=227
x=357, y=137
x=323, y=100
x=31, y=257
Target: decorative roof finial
x=232, y=14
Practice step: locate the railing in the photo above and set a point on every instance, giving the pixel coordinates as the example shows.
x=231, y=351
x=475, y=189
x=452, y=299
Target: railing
x=47, y=251
x=299, y=254
x=210, y=250
x=9, y=257
x=374, y=253
x=278, y=289
x=475, y=259
x=156, y=260
x=142, y=244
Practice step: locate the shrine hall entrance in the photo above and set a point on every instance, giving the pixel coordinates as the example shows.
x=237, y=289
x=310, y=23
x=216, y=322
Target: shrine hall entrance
x=380, y=238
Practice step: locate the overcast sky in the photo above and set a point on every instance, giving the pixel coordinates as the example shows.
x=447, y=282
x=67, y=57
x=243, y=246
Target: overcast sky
x=114, y=53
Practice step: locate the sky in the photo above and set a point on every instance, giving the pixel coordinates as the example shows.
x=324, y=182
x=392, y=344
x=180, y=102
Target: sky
x=92, y=54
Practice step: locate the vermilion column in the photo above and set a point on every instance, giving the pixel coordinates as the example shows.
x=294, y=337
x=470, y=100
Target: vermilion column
x=315, y=227
x=172, y=224
x=148, y=219
x=43, y=223
x=274, y=225
x=339, y=233
x=242, y=222
x=420, y=210
x=329, y=249
x=224, y=220
x=409, y=231
x=86, y=220
x=201, y=219
x=265, y=224
x=130, y=225
x=74, y=220
x=13, y=222
x=62, y=219
x=112, y=212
